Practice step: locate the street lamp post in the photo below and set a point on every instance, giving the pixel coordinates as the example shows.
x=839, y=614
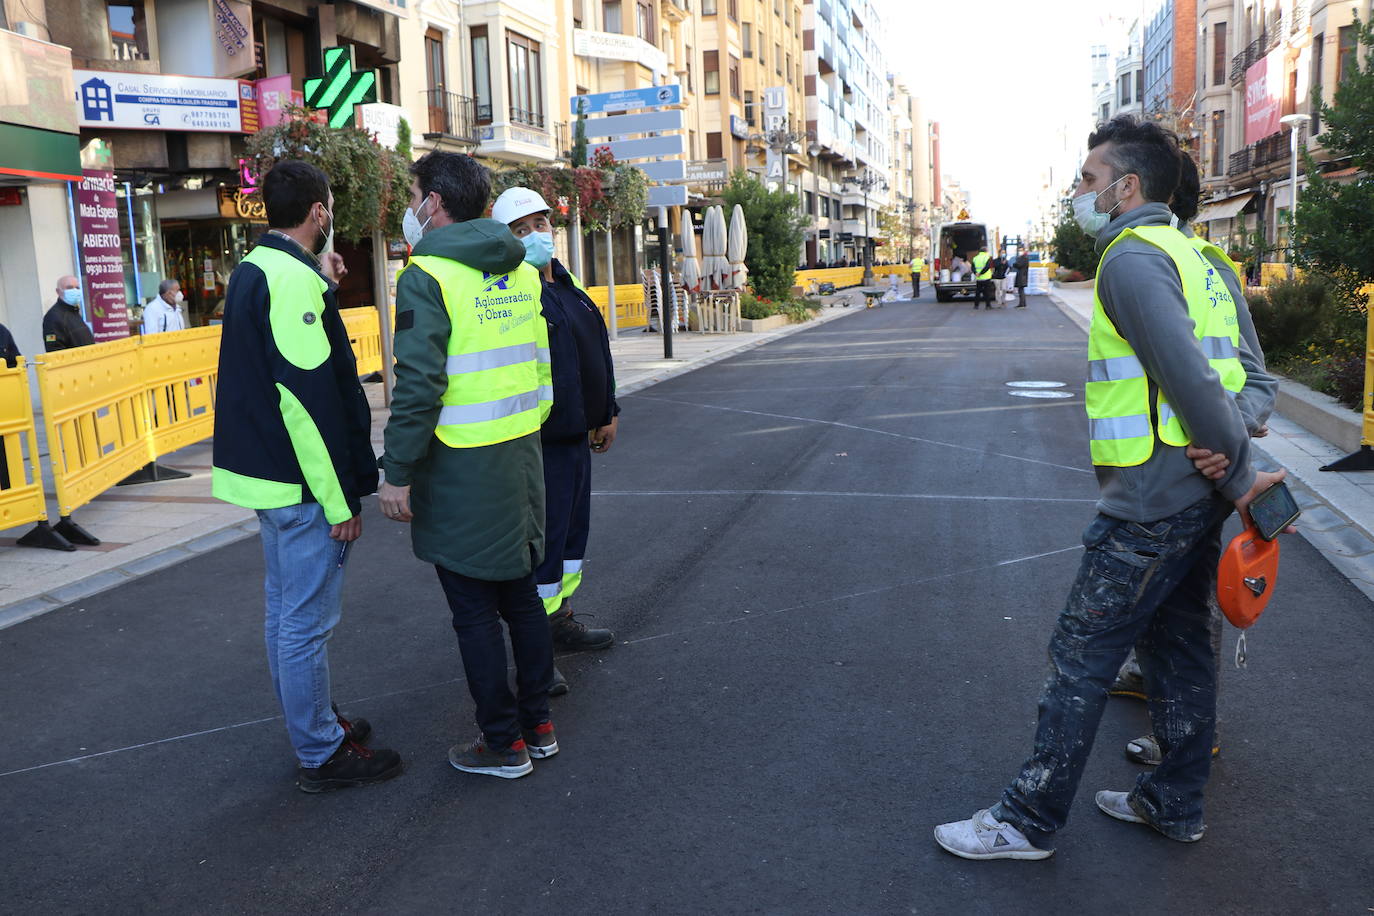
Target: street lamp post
x=866, y=182
x=1294, y=122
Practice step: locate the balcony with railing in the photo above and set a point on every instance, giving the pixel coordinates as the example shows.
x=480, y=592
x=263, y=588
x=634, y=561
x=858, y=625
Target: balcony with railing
x=450, y=115
x=1272, y=149
x=527, y=118
x=1251, y=55
x=1238, y=162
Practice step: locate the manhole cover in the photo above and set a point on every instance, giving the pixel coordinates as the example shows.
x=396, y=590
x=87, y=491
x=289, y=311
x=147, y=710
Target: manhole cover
x=1036, y=384
x=1040, y=394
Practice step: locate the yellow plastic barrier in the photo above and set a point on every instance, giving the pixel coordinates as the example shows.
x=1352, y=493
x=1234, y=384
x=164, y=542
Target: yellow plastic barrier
x=630, y=310
x=95, y=409
x=365, y=334
x=179, y=371
x=840, y=276
x=22, y=501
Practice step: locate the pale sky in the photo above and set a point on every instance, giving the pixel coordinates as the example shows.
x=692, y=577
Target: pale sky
x=1003, y=78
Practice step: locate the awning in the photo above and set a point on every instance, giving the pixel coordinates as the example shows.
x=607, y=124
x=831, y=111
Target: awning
x=1222, y=209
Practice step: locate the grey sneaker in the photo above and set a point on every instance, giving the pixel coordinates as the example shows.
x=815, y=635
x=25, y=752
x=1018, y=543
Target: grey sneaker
x=540, y=741
x=985, y=837
x=1117, y=805
x=477, y=757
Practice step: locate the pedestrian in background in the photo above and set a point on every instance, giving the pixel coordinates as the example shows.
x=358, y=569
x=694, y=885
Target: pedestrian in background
x=292, y=441
x=982, y=276
x=63, y=327
x=585, y=419
x=164, y=312
x=1148, y=575
x=918, y=264
x=1021, y=267
x=462, y=460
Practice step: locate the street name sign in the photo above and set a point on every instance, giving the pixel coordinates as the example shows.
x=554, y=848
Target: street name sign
x=645, y=123
x=627, y=99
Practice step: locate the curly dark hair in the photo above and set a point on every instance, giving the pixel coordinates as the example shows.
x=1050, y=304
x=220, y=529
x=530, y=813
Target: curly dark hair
x=1142, y=148
x=1184, y=202
x=463, y=183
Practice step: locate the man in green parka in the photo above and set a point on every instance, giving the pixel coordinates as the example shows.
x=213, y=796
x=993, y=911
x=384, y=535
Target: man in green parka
x=462, y=459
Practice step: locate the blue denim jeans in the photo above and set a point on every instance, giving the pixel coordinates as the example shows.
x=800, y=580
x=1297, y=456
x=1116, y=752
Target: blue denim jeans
x=304, y=584
x=1148, y=585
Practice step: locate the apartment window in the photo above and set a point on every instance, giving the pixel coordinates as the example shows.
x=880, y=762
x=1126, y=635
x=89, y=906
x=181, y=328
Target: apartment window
x=610, y=16
x=1218, y=143
x=708, y=7
x=777, y=58
x=714, y=150
x=644, y=21
x=789, y=63
x=749, y=108
x=690, y=69
x=128, y=29
x=734, y=77
x=434, y=60
x=1124, y=90
x=1140, y=85
x=1219, y=54
x=711, y=70
x=810, y=203
x=1317, y=47
x=526, y=82
x=481, y=74
x=1347, y=61
x=577, y=13
x=732, y=9
x=746, y=33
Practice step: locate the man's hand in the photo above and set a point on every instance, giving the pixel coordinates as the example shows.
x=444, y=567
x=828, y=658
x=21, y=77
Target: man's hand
x=332, y=266
x=347, y=531
x=395, y=502
x=1261, y=432
x=602, y=437
x=1263, y=481
x=1209, y=464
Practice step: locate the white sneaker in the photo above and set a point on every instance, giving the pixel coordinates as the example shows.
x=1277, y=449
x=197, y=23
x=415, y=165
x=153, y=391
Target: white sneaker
x=1114, y=804
x=984, y=837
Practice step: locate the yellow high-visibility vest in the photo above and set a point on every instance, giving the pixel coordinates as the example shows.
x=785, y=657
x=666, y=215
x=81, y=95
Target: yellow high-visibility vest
x=1123, y=425
x=500, y=381
x=917, y=265
x=982, y=265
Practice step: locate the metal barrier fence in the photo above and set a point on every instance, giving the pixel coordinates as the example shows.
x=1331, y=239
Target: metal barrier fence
x=21, y=483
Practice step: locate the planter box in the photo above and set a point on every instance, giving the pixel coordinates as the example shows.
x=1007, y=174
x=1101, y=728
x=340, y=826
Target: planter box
x=754, y=325
x=1075, y=284
x=1319, y=414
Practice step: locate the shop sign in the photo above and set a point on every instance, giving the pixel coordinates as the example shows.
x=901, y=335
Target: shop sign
x=102, y=262
x=248, y=107
x=275, y=93
x=739, y=127
x=1264, y=96
x=233, y=38
x=707, y=171
x=157, y=101
x=239, y=203
x=615, y=46
x=383, y=121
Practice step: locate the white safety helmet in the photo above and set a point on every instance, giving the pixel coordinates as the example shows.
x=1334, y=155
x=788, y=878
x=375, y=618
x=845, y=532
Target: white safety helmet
x=515, y=203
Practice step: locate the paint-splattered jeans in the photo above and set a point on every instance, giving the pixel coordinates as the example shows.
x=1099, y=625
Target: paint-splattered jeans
x=1146, y=585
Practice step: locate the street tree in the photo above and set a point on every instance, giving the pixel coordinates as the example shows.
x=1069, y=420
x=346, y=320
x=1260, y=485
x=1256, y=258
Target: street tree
x=776, y=227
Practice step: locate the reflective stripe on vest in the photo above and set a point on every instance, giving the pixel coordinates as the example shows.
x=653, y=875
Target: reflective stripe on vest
x=983, y=268
x=1117, y=390
x=500, y=383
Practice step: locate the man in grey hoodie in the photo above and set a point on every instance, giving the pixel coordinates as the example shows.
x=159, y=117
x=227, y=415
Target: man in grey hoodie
x=1149, y=567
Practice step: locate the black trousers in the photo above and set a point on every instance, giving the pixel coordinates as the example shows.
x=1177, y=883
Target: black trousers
x=915, y=283
x=478, y=607
x=983, y=291
x=1021, y=294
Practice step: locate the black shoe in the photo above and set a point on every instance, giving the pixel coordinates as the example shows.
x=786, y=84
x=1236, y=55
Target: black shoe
x=355, y=730
x=560, y=684
x=351, y=765
x=569, y=633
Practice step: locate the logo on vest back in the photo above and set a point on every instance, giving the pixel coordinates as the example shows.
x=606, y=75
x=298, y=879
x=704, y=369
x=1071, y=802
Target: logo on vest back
x=495, y=281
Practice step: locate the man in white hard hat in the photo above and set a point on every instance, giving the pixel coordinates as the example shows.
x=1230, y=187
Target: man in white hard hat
x=585, y=418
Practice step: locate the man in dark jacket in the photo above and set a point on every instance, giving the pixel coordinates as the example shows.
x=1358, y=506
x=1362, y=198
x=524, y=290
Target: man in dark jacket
x=1022, y=268
x=292, y=441
x=462, y=459
x=585, y=417
x=62, y=325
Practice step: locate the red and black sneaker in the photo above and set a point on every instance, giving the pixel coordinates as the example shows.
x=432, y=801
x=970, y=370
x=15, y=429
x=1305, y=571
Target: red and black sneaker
x=477, y=757
x=540, y=741
x=351, y=765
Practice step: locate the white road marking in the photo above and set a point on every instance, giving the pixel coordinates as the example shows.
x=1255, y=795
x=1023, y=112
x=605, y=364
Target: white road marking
x=843, y=494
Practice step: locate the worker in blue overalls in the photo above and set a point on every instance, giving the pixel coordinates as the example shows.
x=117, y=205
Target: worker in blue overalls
x=584, y=420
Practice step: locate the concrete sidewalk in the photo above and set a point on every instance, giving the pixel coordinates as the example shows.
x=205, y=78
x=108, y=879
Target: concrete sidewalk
x=151, y=526
x=1338, y=508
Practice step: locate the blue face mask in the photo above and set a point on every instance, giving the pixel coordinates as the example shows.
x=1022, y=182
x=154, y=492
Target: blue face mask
x=72, y=296
x=538, y=248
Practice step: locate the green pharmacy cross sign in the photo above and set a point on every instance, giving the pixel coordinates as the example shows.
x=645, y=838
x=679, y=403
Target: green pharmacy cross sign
x=341, y=87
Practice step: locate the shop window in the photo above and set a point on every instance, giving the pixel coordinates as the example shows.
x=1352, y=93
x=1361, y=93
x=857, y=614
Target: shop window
x=481, y=75
x=711, y=72
x=128, y=29
x=526, y=80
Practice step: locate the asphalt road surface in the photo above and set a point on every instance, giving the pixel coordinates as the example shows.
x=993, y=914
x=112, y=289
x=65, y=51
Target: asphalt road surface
x=832, y=564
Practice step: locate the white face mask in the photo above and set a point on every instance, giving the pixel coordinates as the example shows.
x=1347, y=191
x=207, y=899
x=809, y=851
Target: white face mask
x=176, y=299
x=1085, y=211
x=412, y=228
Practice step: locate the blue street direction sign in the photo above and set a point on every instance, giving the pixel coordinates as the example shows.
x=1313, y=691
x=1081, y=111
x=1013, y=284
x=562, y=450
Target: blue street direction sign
x=667, y=195
x=646, y=148
x=627, y=99
x=667, y=170
x=644, y=123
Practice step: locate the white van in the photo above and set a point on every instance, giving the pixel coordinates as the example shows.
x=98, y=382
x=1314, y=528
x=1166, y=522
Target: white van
x=963, y=239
